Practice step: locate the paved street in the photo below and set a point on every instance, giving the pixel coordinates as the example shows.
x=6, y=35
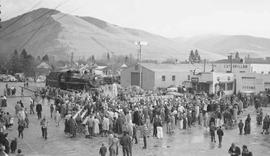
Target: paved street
x=183, y=142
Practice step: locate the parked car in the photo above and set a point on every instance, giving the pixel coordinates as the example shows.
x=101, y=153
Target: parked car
x=41, y=78
x=3, y=77
x=11, y=78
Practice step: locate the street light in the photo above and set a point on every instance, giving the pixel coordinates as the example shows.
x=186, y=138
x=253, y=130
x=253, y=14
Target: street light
x=140, y=44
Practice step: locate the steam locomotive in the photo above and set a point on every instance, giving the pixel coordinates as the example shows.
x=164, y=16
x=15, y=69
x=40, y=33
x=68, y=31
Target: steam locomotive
x=76, y=81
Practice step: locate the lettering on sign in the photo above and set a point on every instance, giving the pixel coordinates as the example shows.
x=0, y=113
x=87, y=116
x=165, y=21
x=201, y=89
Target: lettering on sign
x=236, y=66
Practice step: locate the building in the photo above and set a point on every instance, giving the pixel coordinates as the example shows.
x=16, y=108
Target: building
x=252, y=82
x=43, y=69
x=103, y=71
x=213, y=82
x=242, y=68
x=246, y=65
x=159, y=75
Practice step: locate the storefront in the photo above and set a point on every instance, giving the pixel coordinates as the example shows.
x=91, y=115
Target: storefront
x=214, y=83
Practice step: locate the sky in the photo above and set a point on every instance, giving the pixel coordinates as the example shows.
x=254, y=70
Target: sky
x=169, y=18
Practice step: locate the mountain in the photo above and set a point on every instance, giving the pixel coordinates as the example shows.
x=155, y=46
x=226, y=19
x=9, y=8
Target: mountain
x=226, y=44
x=61, y=34
x=46, y=31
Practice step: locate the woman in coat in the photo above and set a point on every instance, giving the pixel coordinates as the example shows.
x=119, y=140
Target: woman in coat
x=114, y=146
x=247, y=125
x=73, y=126
x=96, y=126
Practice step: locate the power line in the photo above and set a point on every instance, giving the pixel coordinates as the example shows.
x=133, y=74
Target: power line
x=39, y=28
x=32, y=36
x=100, y=44
x=47, y=24
x=20, y=17
x=39, y=17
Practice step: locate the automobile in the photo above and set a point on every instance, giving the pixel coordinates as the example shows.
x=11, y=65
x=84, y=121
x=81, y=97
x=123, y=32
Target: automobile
x=172, y=89
x=3, y=77
x=41, y=78
x=30, y=79
x=11, y=78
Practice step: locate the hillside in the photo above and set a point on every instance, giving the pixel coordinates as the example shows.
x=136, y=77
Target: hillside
x=63, y=34
x=225, y=44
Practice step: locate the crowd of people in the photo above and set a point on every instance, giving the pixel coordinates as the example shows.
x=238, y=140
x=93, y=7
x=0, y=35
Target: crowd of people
x=144, y=113
x=135, y=113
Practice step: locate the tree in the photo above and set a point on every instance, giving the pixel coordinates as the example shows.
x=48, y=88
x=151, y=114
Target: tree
x=126, y=59
x=191, y=57
x=237, y=56
x=45, y=58
x=194, y=56
x=13, y=63
x=197, y=57
x=93, y=58
x=108, y=56
x=23, y=54
x=38, y=59
x=29, y=65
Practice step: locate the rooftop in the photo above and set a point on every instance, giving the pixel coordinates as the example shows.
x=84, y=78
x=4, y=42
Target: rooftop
x=176, y=67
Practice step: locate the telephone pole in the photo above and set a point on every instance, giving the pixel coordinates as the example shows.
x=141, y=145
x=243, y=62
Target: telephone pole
x=140, y=44
x=231, y=62
x=71, y=58
x=0, y=17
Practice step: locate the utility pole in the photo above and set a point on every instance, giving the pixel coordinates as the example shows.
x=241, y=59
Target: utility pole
x=231, y=61
x=204, y=63
x=71, y=59
x=140, y=59
x=0, y=17
x=140, y=44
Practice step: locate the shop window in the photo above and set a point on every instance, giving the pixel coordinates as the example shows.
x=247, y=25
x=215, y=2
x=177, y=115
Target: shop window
x=163, y=78
x=222, y=86
x=230, y=86
x=173, y=78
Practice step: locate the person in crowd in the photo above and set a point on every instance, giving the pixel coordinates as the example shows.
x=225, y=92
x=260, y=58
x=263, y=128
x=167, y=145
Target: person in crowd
x=52, y=110
x=105, y=125
x=134, y=133
x=144, y=133
x=2, y=151
x=245, y=151
x=234, y=150
x=73, y=126
x=220, y=134
x=22, y=94
x=247, y=125
x=159, y=128
x=4, y=141
x=96, y=126
x=20, y=128
x=39, y=110
x=32, y=105
x=26, y=118
x=17, y=107
x=155, y=124
x=57, y=118
x=90, y=124
x=103, y=150
x=13, y=145
x=114, y=145
x=126, y=143
x=266, y=124
x=44, y=128
x=212, y=132
x=240, y=126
